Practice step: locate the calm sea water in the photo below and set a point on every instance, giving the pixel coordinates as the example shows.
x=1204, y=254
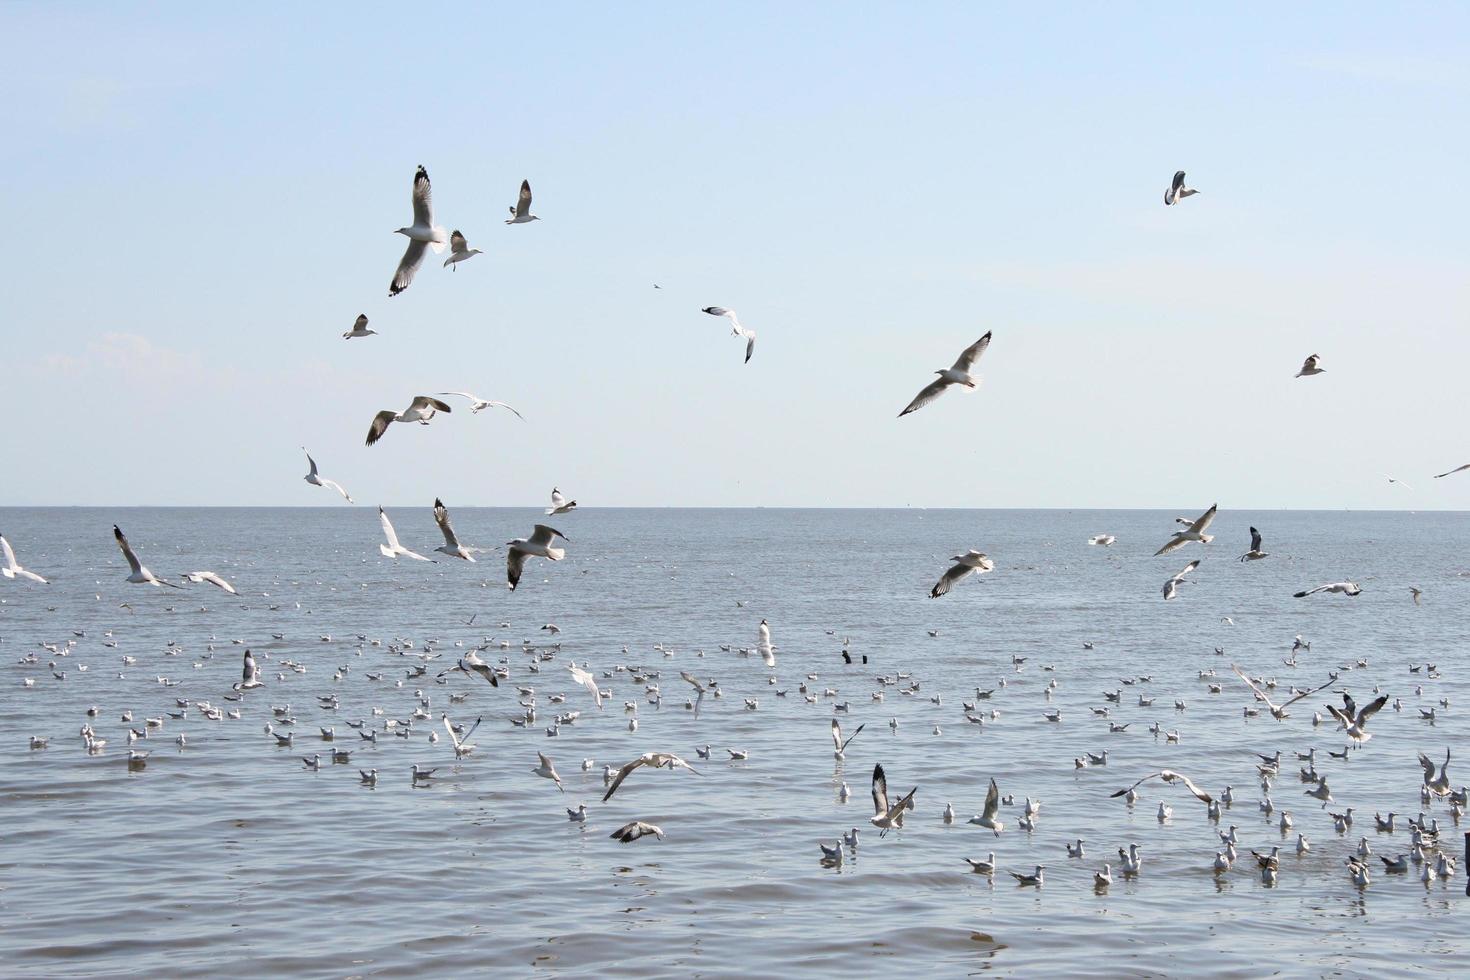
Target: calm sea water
x=228, y=854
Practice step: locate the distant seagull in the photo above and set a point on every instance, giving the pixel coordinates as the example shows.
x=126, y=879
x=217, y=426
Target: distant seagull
x=959, y=374
x=1172, y=778
x=451, y=545
x=1343, y=588
x=839, y=744
x=459, y=249
x=1106, y=540
x=538, y=544
x=971, y=563
x=738, y=330
x=1171, y=587
x=200, y=577
x=560, y=504
x=1399, y=482
x=547, y=770
x=421, y=410
x=887, y=817
x=1457, y=469
x=393, y=549
x=1255, y=554
x=763, y=644
x=321, y=481
x=140, y=575
x=359, y=329
x=629, y=832
x=1354, y=720
x=480, y=404
x=1194, y=532
x=654, y=760
x=1177, y=191
x=12, y=567
x=520, y=211
x=1416, y=592
x=1309, y=367
x=421, y=234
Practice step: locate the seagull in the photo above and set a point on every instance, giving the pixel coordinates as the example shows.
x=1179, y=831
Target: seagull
x=538, y=544
x=462, y=745
x=1177, y=191
x=588, y=681
x=560, y=504
x=321, y=481
x=422, y=409
x=1438, y=785
x=763, y=644
x=479, y=404
x=986, y=867
x=1345, y=588
x=655, y=760
x=1321, y=792
x=423, y=232
x=838, y=742
x=547, y=770
x=1354, y=720
x=1309, y=367
x=1106, y=540
x=12, y=568
x=1171, y=587
x=471, y=663
x=629, y=832
x=1171, y=777
x=1416, y=592
x=359, y=328
x=738, y=331
x=884, y=816
x=1194, y=532
x=199, y=578
x=1255, y=554
x=459, y=249
x=520, y=212
x=1277, y=711
x=1399, y=482
x=972, y=562
x=1457, y=469
x=958, y=374
x=451, y=545
x=249, y=674
x=990, y=817
x=393, y=549
x=140, y=575
x=1035, y=878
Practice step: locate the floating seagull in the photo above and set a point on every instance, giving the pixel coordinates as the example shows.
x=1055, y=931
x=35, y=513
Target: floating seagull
x=972, y=562
x=1177, y=191
x=1457, y=469
x=989, y=819
x=459, y=249
x=1035, y=878
x=199, y=578
x=421, y=234
x=763, y=644
x=838, y=742
x=738, y=330
x=560, y=504
x=321, y=481
x=986, y=867
x=451, y=545
x=1171, y=587
x=1277, y=711
x=959, y=374
x=1255, y=554
x=1353, y=720
x=359, y=328
x=629, y=832
x=884, y=816
x=538, y=544
x=520, y=212
x=480, y=404
x=393, y=549
x=1194, y=532
x=1344, y=588
x=12, y=568
x=548, y=771
x=421, y=410
x=1171, y=777
x=654, y=760
x=1309, y=367
x=140, y=575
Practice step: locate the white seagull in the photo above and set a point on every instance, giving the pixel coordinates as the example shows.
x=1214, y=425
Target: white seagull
x=479, y=404
x=200, y=577
x=1171, y=587
x=538, y=544
x=249, y=674
x=548, y=771
x=1354, y=721
x=459, y=249
x=471, y=663
x=990, y=819
x=763, y=644
x=320, y=481
x=560, y=504
x=421, y=410
x=1310, y=367
x=140, y=574
x=1277, y=711
x=1342, y=588
x=451, y=545
x=971, y=563
x=887, y=817
x=654, y=760
x=520, y=211
x=1177, y=191
x=1255, y=554
x=738, y=331
x=589, y=682
x=1171, y=777
x=359, y=328
x=12, y=568
x=839, y=744
x=393, y=549
x=1194, y=532
x=959, y=374
x=422, y=234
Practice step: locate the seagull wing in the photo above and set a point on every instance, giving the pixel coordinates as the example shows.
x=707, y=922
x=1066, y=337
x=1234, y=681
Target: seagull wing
x=1170, y=776
x=880, y=791
x=1126, y=789
x=1457, y=469
x=1307, y=592
x=1252, y=685
x=1428, y=766
x=1179, y=577
x=8, y=554
x=388, y=531
x=837, y=737
x=453, y=737
x=310, y=462
x=992, y=801
x=381, y=421
x=749, y=344
x=413, y=257
x=1204, y=520
x=556, y=501
x=1174, y=543
x=523, y=202
x=1370, y=709
x=1297, y=697
x=441, y=517
x=424, y=402
x=515, y=563
x=727, y=314
x=929, y=392
x=507, y=408
x=544, y=535
x=971, y=354
x=693, y=681
x=333, y=484
x=122, y=542
x=947, y=581
x=1255, y=540
x=423, y=202
x=457, y=242
x=623, y=774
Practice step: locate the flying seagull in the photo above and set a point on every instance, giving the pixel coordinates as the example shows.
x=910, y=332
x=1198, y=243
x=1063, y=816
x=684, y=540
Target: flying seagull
x=738, y=330
x=471, y=663
x=479, y=404
x=1392, y=479
x=200, y=577
x=421, y=410
x=1255, y=554
x=959, y=374
x=654, y=760
x=763, y=644
x=359, y=328
x=12, y=568
x=1457, y=469
x=140, y=575
x=586, y=679
x=887, y=817
x=1277, y=711
x=1171, y=587
x=422, y=234
x=451, y=545
x=1194, y=532
x=459, y=249
x=1345, y=588
x=1177, y=191
x=520, y=211
x=971, y=563
x=1354, y=720
x=393, y=549
x=560, y=504
x=320, y=481
x=990, y=818
x=538, y=544
x=838, y=742
x=1171, y=777
x=1309, y=367
x=629, y=832
x=249, y=673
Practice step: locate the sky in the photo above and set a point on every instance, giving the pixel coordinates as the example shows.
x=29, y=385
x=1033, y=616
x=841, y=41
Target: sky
x=203, y=197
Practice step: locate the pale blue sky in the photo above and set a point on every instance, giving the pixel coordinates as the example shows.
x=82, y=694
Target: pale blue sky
x=201, y=201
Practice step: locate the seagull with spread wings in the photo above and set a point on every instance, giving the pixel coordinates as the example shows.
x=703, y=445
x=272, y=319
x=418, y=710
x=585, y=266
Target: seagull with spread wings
x=1177, y=191
x=140, y=574
x=1341, y=588
x=1277, y=711
x=472, y=664
x=560, y=504
x=12, y=568
x=971, y=563
x=199, y=578
x=1255, y=554
x=420, y=410
x=539, y=544
x=1171, y=587
x=1310, y=367
x=990, y=818
x=451, y=545
x=738, y=331
x=479, y=404
x=839, y=744
x=589, y=682
x=654, y=760
x=422, y=234
x=459, y=250
x=886, y=817
x=317, y=480
x=958, y=374
x=1172, y=778
x=393, y=549
x=1194, y=532
x=1354, y=721
x=520, y=211
x=359, y=329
